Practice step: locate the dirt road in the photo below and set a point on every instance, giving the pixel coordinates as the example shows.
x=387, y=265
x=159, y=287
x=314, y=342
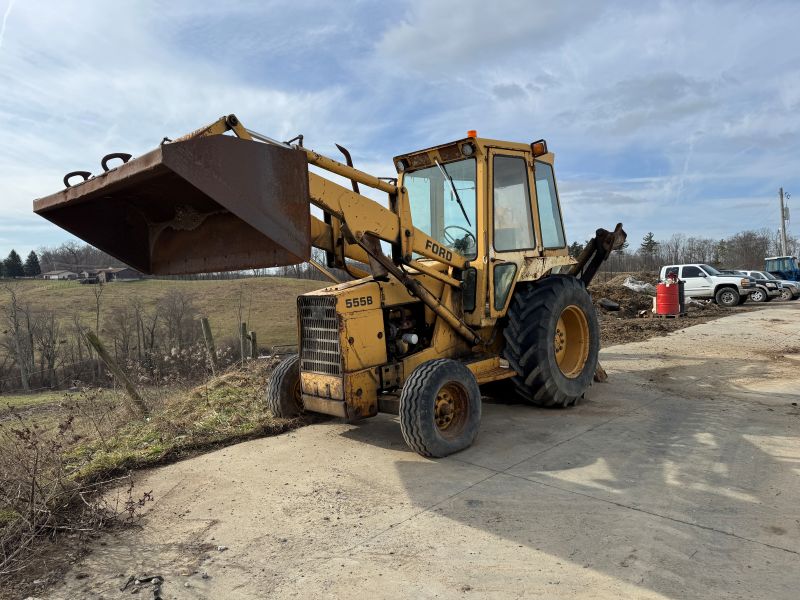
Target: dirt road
x=677, y=479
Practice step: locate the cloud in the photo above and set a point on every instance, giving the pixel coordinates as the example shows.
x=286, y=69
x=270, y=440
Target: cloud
x=3, y=25
x=508, y=91
x=668, y=117
x=437, y=37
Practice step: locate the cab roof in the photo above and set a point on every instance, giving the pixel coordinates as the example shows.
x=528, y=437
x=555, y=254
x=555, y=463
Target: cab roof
x=451, y=151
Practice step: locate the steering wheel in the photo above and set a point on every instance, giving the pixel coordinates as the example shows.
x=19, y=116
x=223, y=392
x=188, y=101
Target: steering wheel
x=452, y=240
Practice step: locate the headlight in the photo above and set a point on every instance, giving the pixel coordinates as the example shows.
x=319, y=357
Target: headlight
x=770, y=285
x=745, y=283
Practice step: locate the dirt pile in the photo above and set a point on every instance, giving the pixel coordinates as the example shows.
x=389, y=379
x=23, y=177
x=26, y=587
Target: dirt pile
x=630, y=301
x=625, y=325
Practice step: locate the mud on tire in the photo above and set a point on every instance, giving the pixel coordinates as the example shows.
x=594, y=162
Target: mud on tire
x=440, y=408
x=283, y=389
x=530, y=335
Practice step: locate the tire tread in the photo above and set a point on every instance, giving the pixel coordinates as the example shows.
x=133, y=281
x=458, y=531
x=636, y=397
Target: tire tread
x=527, y=340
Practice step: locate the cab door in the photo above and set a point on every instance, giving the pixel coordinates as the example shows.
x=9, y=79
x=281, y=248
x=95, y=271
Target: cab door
x=696, y=281
x=511, y=224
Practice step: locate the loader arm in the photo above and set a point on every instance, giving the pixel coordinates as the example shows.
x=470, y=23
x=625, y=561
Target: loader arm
x=252, y=216
x=358, y=213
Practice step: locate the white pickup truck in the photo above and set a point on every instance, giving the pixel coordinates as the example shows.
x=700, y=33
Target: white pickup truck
x=704, y=281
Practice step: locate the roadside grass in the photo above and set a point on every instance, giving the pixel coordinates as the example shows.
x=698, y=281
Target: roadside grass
x=54, y=471
x=228, y=409
x=268, y=304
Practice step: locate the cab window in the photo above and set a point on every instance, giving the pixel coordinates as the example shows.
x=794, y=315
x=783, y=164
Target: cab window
x=692, y=272
x=547, y=201
x=435, y=207
x=513, y=225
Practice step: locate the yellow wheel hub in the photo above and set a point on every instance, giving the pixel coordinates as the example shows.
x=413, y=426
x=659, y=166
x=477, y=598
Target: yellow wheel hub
x=571, y=341
x=450, y=408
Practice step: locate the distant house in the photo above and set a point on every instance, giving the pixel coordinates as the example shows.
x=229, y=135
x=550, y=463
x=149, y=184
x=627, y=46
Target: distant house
x=60, y=275
x=118, y=274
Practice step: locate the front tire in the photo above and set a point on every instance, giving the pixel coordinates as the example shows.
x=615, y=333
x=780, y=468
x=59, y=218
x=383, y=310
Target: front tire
x=552, y=341
x=440, y=408
x=284, y=398
x=729, y=297
x=786, y=295
x=758, y=296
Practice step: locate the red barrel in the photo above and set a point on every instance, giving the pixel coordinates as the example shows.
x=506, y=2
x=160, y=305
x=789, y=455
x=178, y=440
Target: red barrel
x=668, y=299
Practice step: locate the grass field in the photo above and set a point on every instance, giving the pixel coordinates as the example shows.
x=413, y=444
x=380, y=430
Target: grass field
x=17, y=401
x=268, y=303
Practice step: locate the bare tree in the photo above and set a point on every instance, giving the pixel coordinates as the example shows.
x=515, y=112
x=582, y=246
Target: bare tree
x=14, y=317
x=47, y=334
x=178, y=313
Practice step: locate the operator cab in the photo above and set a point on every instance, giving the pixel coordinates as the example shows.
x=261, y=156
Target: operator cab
x=785, y=267
x=443, y=186
x=493, y=202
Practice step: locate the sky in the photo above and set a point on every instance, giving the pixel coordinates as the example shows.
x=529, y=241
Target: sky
x=668, y=116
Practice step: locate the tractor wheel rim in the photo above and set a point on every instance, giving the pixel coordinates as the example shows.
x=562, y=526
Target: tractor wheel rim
x=571, y=341
x=451, y=409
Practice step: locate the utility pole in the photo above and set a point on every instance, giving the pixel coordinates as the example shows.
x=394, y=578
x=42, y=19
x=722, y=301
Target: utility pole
x=783, y=224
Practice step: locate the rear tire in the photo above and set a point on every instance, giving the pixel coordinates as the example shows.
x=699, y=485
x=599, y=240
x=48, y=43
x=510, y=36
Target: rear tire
x=758, y=295
x=283, y=390
x=728, y=297
x=440, y=408
x=552, y=341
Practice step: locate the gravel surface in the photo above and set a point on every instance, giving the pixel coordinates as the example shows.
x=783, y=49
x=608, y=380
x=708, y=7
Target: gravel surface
x=676, y=479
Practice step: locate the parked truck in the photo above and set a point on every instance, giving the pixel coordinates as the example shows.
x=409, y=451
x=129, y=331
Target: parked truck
x=704, y=281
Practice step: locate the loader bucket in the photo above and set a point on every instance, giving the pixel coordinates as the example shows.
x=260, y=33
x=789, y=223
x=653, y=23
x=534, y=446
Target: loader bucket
x=215, y=203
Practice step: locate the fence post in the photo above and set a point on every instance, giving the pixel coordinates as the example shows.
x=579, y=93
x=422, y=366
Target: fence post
x=253, y=344
x=115, y=369
x=210, y=348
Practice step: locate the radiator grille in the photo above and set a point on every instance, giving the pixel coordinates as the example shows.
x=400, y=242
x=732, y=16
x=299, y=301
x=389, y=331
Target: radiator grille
x=319, y=335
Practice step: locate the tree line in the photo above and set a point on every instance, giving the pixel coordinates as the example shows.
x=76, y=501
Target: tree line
x=76, y=257
x=13, y=267
x=69, y=256
x=743, y=250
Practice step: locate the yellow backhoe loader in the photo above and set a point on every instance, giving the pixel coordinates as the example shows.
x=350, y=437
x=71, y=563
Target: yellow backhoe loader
x=462, y=278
